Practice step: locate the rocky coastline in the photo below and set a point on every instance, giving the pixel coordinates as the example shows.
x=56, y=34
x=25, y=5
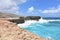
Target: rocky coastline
x=10, y=31
x=22, y=19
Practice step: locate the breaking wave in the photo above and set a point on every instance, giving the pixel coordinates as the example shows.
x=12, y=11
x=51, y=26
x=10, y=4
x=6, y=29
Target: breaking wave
x=29, y=22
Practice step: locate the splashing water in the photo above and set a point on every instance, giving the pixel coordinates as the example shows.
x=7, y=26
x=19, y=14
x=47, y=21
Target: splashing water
x=42, y=20
x=27, y=23
x=44, y=28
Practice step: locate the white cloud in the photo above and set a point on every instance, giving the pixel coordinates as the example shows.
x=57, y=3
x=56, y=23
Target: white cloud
x=10, y=5
x=51, y=10
x=31, y=9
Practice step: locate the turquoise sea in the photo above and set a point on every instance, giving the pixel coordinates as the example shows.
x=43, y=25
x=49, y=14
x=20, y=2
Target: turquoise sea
x=47, y=28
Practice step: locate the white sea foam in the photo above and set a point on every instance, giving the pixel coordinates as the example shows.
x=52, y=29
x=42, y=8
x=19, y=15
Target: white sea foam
x=42, y=20
x=27, y=23
x=53, y=20
x=49, y=38
x=46, y=21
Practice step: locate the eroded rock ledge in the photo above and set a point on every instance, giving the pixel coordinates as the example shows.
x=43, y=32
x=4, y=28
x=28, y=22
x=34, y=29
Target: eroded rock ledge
x=22, y=19
x=10, y=31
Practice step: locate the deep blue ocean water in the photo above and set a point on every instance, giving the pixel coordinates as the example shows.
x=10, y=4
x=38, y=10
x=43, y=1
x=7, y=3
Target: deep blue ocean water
x=45, y=28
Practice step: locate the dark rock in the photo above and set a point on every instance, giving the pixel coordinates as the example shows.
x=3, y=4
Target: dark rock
x=20, y=20
x=32, y=18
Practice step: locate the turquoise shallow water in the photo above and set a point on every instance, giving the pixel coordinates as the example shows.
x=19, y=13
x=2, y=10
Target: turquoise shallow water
x=50, y=29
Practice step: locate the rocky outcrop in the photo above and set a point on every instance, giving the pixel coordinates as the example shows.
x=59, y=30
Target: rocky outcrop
x=32, y=18
x=20, y=20
x=17, y=19
x=10, y=31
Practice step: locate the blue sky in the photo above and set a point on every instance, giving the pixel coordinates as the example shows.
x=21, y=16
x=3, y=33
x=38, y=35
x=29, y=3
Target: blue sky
x=41, y=5
x=43, y=8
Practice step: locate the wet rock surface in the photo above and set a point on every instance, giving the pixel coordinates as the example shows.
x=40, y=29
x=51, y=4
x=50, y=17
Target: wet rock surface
x=10, y=31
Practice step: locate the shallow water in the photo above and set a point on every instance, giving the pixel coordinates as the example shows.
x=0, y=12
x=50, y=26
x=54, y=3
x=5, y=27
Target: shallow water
x=45, y=28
